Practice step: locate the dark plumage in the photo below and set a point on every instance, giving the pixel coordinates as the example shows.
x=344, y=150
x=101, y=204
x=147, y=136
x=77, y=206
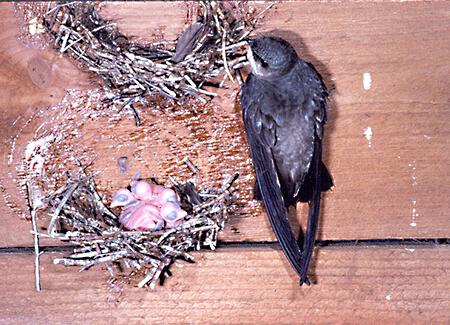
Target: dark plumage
x=284, y=111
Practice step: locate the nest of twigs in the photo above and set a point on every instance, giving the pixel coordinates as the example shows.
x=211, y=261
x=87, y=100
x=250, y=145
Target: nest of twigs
x=80, y=216
x=208, y=48
x=208, y=53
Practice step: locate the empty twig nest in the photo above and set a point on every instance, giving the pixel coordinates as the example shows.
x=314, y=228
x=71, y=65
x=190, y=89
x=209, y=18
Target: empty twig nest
x=208, y=48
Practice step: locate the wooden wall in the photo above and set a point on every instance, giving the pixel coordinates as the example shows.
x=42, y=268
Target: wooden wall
x=393, y=184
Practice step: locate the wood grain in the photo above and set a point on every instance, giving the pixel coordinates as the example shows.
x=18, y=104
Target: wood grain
x=393, y=184
x=383, y=187
x=354, y=285
x=402, y=170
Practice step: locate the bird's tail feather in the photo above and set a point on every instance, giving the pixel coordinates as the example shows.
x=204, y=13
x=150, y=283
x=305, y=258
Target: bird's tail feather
x=313, y=214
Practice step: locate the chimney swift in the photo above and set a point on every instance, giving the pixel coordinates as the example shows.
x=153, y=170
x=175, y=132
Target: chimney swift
x=284, y=110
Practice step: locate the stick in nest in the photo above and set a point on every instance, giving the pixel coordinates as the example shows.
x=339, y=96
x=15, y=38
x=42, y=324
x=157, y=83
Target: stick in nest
x=135, y=71
x=80, y=216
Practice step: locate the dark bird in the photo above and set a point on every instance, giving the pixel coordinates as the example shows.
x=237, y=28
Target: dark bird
x=284, y=110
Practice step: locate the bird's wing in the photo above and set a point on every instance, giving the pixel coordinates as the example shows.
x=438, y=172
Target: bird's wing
x=313, y=214
x=260, y=130
x=317, y=104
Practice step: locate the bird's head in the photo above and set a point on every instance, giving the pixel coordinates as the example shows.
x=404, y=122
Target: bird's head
x=270, y=57
x=122, y=198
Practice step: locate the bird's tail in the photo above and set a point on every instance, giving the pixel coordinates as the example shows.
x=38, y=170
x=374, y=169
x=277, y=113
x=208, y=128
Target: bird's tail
x=313, y=215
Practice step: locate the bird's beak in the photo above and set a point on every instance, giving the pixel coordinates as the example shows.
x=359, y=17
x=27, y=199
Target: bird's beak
x=251, y=60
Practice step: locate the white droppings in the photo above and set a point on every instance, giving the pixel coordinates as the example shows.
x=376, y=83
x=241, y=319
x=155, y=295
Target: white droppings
x=410, y=249
x=367, y=80
x=36, y=152
x=415, y=214
x=33, y=146
x=34, y=27
x=426, y=137
x=388, y=297
x=368, y=134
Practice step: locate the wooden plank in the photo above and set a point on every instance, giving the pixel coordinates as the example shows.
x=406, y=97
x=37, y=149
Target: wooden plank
x=394, y=185
x=384, y=185
x=398, y=178
x=21, y=96
x=148, y=19
x=235, y=286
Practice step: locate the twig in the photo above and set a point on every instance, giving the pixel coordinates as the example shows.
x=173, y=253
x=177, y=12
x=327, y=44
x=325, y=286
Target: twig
x=224, y=56
x=55, y=215
x=87, y=222
x=32, y=206
x=191, y=166
x=137, y=71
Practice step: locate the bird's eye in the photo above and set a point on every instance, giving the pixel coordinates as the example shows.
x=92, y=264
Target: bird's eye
x=261, y=61
x=122, y=198
x=264, y=64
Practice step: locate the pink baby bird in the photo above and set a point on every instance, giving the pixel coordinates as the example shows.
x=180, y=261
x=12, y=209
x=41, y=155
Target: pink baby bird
x=152, y=193
x=148, y=206
x=143, y=217
x=143, y=190
x=122, y=198
x=172, y=214
x=163, y=196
